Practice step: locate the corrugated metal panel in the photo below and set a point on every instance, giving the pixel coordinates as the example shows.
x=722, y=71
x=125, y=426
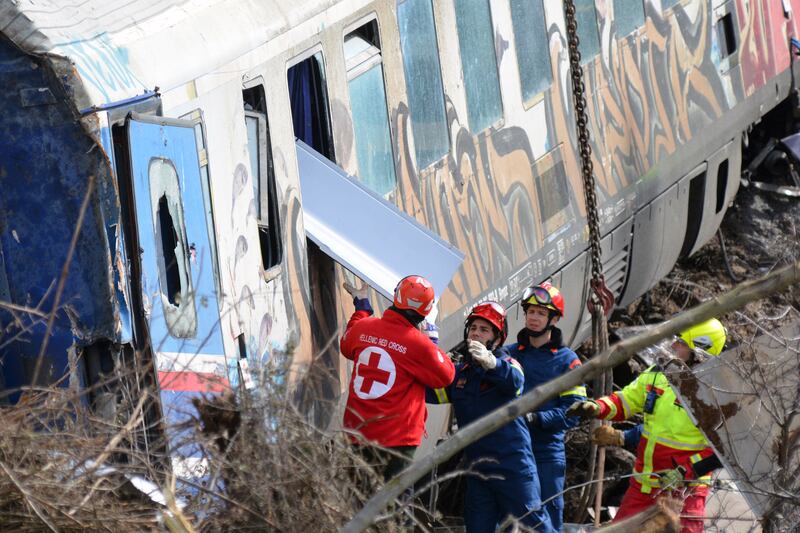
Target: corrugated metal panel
x=746, y=403
x=367, y=234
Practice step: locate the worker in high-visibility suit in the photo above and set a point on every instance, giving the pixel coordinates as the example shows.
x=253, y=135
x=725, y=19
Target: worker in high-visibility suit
x=672, y=453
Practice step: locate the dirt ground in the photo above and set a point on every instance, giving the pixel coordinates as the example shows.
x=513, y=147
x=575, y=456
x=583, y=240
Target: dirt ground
x=759, y=234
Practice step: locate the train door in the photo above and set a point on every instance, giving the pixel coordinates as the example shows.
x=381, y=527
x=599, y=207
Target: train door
x=177, y=302
x=312, y=124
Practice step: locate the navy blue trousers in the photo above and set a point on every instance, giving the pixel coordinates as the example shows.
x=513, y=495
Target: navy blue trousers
x=551, y=479
x=490, y=501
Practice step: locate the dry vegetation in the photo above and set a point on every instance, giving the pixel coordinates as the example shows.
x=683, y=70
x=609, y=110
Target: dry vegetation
x=268, y=468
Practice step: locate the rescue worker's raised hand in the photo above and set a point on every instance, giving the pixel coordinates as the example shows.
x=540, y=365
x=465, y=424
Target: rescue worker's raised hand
x=481, y=355
x=672, y=479
x=584, y=409
x=607, y=436
x=430, y=329
x=359, y=293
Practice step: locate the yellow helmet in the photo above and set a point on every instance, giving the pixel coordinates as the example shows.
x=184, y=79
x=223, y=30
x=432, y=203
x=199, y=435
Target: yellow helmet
x=709, y=336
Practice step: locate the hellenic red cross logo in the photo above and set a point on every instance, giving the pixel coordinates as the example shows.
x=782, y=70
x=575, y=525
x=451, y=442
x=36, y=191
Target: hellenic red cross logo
x=374, y=373
x=371, y=373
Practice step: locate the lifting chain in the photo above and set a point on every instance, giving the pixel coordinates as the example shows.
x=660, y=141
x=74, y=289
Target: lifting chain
x=600, y=293
x=601, y=299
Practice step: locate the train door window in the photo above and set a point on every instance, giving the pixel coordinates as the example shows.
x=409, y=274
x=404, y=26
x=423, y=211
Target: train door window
x=196, y=118
x=368, y=105
x=628, y=16
x=262, y=170
x=174, y=251
x=308, y=97
x=587, y=29
x=423, y=80
x=479, y=64
x=530, y=38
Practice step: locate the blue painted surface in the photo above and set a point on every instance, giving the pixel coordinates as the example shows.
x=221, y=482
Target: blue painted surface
x=45, y=162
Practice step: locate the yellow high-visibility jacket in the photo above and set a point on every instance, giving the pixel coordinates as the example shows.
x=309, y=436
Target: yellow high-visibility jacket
x=669, y=437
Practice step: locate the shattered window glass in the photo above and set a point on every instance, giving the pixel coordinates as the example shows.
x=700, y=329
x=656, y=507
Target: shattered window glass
x=530, y=38
x=370, y=118
x=479, y=64
x=177, y=295
x=423, y=81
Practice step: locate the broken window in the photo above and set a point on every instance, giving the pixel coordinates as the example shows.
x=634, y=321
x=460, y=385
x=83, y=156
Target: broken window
x=533, y=52
x=368, y=105
x=174, y=252
x=423, y=81
x=196, y=118
x=479, y=64
x=628, y=16
x=262, y=170
x=589, y=38
x=308, y=97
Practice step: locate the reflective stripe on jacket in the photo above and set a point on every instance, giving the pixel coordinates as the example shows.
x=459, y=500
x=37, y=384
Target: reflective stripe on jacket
x=669, y=437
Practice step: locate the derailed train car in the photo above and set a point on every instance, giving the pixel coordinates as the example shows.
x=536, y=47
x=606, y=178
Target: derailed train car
x=149, y=153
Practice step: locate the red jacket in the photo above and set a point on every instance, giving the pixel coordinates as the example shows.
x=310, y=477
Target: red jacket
x=393, y=362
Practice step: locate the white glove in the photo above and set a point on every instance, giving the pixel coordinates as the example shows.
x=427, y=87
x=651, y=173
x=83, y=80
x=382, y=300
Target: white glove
x=481, y=355
x=356, y=292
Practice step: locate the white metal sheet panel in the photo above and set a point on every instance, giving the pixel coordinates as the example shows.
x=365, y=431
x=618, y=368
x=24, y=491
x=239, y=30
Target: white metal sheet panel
x=367, y=234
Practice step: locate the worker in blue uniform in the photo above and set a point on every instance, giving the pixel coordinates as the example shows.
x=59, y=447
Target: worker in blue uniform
x=506, y=484
x=543, y=357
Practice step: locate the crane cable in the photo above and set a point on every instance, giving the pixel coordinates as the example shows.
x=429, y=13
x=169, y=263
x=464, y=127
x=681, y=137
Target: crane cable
x=601, y=299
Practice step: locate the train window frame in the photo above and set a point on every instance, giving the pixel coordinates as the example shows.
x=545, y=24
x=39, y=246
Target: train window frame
x=476, y=126
x=372, y=134
x=420, y=135
x=198, y=123
x=725, y=33
x=621, y=32
x=544, y=168
x=587, y=58
x=317, y=53
x=264, y=180
x=531, y=99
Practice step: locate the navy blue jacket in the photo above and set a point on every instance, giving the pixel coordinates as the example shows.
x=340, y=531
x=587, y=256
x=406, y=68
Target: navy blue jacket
x=540, y=366
x=476, y=392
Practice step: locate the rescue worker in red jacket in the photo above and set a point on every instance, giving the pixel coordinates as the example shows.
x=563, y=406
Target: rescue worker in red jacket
x=672, y=452
x=543, y=356
x=393, y=363
x=486, y=379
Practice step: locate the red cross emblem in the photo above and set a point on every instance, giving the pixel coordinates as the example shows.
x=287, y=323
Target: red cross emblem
x=374, y=373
